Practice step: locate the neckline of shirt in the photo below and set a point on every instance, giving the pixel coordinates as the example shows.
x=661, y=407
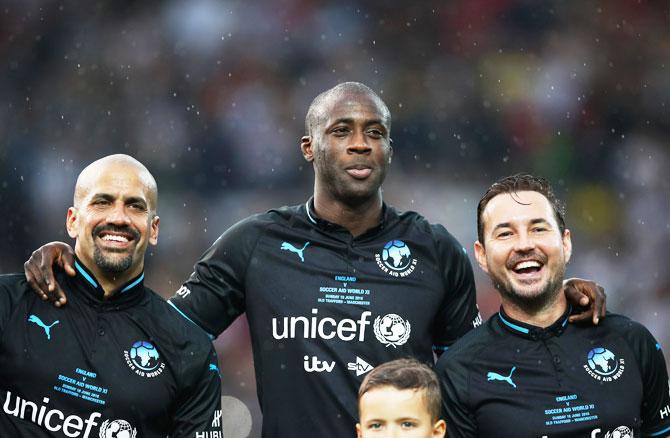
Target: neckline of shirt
x=530, y=331
x=388, y=214
x=85, y=282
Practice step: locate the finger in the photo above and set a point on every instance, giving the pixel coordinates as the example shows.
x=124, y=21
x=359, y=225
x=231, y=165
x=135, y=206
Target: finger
x=31, y=279
x=597, y=296
x=574, y=295
x=61, y=299
x=599, y=307
x=46, y=270
x=66, y=261
x=583, y=316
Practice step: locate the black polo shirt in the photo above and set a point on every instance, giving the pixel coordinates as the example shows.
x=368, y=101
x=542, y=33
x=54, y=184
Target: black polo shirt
x=325, y=307
x=97, y=368
x=509, y=379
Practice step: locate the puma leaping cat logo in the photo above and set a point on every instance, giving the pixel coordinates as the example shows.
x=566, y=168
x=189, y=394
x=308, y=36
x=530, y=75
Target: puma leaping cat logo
x=288, y=247
x=495, y=376
x=47, y=328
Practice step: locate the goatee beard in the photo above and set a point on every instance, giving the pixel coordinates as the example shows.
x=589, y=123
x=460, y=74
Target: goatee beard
x=110, y=264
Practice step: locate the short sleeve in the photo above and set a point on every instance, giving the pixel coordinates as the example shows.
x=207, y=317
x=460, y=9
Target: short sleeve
x=198, y=410
x=214, y=295
x=455, y=410
x=458, y=312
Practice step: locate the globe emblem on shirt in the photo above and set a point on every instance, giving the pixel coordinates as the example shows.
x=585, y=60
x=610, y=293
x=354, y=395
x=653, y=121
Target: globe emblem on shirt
x=392, y=330
x=117, y=429
x=620, y=432
x=602, y=361
x=144, y=356
x=396, y=255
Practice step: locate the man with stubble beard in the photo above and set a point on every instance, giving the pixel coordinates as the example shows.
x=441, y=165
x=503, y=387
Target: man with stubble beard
x=527, y=372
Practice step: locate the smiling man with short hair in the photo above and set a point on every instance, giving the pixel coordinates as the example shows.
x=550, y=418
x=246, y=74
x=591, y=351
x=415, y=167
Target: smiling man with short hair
x=527, y=372
x=117, y=360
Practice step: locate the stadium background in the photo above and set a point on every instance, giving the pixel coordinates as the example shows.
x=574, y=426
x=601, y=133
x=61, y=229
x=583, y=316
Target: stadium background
x=212, y=95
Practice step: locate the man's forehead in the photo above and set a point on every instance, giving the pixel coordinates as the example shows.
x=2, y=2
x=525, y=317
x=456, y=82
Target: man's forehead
x=517, y=206
x=354, y=104
x=116, y=180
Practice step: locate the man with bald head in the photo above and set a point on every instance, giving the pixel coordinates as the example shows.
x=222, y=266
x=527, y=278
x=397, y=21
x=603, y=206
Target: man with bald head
x=120, y=362
x=332, y=287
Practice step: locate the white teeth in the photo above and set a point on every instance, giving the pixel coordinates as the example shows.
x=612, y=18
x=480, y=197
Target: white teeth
x=114, y=238
x=527, y=264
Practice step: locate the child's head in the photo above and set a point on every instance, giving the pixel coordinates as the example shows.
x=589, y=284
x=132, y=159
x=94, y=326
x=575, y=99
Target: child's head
x=403, y=397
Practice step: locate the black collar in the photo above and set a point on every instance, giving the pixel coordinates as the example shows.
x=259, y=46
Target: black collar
x=533, y=332
x=388, y=216
x=86, y=285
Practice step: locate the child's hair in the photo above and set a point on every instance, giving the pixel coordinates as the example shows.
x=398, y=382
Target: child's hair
x=406, y=374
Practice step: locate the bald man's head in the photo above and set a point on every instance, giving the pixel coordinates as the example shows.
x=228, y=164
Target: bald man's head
x=121, y=165
x=114, y=216
x=318, y=110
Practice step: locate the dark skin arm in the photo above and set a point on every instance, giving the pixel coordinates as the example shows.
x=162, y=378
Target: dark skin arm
x=584, y=295
x=39, y=270
x=588, y=297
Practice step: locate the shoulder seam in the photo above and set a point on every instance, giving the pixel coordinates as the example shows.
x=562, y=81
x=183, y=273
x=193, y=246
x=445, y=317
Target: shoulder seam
x=253, y=250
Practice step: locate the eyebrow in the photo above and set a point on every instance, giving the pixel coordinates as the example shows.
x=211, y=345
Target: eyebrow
x=133, y=199
x=349, y=120
x=128, y=200
x=509, y=225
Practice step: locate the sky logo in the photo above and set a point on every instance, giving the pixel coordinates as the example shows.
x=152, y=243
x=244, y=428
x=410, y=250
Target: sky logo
x=495, y=376
x=285, y=246
x=47, y=328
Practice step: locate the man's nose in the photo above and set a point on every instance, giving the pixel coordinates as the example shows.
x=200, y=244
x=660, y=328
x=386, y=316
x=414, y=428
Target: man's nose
x=118, y=215
x=524, y=242
x=359, y=144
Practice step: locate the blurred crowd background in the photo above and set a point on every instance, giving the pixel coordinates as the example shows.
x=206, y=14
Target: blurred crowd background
x=211, y=95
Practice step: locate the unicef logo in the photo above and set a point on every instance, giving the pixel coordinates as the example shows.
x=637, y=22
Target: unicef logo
x=602, y=361
x=392, y=330
x=144, y=356
x=396, y=255
x=620, y=432
x=117, y=429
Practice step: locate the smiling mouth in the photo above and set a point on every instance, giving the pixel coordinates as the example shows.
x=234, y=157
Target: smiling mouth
x=527, y=271
x=118, y=239
x=527, y=267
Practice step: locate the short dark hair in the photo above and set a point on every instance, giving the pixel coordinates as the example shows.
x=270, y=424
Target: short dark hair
x=406, y=374
x=314, y=115
x=519, y=183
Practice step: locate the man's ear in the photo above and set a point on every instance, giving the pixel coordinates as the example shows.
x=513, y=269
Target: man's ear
x=480, y=255
x=390, y=152
x=307, y=148
x=153, y=235
x=71, y=222
x=567, y=245
x=359, y=432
